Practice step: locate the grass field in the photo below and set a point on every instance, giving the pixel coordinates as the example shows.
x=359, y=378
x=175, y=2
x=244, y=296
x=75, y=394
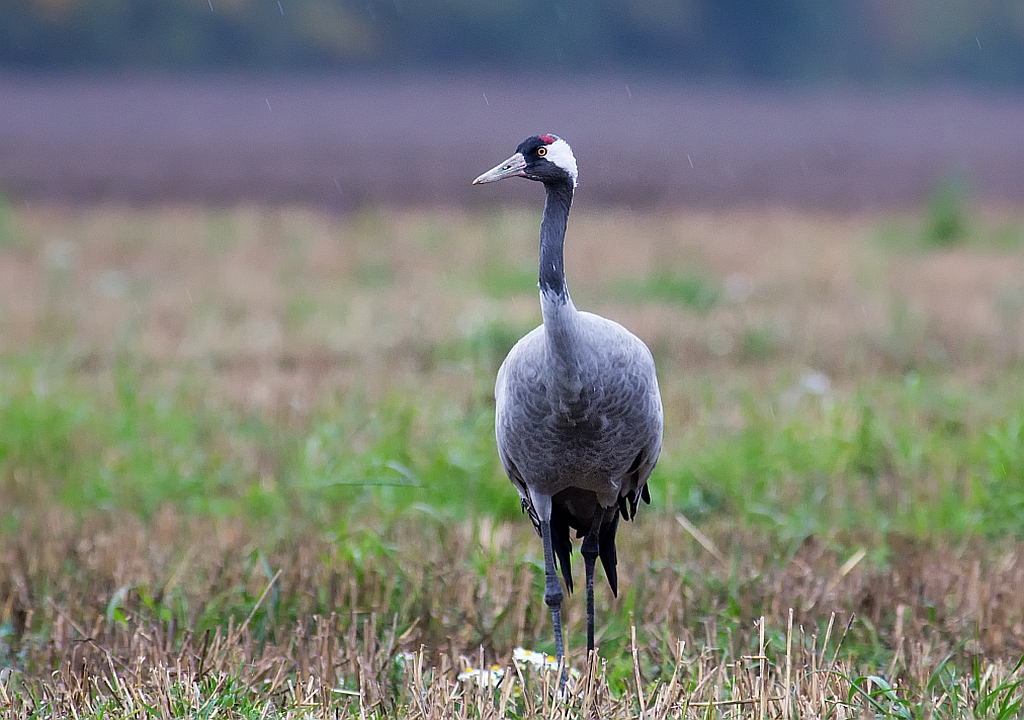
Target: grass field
x=247, y=465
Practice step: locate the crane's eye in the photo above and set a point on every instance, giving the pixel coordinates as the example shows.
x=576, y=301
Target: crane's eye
x=542, y=151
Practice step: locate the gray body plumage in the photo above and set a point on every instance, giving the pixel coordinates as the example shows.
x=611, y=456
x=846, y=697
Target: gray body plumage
x=577, y=404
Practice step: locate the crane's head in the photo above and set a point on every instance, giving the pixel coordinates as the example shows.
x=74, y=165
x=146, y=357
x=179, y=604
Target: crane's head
x=547, y=158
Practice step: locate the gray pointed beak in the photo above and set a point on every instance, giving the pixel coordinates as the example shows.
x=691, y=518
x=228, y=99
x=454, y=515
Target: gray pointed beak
x=513, y=167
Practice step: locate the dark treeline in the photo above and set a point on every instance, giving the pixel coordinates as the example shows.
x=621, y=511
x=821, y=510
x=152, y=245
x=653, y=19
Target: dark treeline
x=760, y=40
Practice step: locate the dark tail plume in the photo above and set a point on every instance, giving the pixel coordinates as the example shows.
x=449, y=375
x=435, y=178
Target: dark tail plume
x=607, y=551
x=561, y=543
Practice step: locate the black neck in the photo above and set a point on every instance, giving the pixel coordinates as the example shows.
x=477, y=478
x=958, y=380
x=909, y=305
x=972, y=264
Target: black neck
x=552, y=237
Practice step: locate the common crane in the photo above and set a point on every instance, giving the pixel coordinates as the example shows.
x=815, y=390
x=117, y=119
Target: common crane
x=578, y=411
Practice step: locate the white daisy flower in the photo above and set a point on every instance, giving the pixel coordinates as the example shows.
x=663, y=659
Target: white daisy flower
x=522, y=656
x=532, y=657
x=483, y=678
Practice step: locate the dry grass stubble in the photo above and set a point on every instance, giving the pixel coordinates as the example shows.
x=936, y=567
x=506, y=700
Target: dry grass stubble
x=133, y=620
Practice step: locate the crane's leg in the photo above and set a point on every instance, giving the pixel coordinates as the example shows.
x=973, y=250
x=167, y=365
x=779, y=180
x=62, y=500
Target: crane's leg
x=590, y=550
x=553, y=595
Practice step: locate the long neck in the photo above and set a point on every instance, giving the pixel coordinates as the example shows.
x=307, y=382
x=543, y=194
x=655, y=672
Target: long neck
x=552, y=239
x=560, y=316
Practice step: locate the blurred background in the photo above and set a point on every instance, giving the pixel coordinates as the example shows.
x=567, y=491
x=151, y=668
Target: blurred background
x=266, y=205
x=340, y=105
